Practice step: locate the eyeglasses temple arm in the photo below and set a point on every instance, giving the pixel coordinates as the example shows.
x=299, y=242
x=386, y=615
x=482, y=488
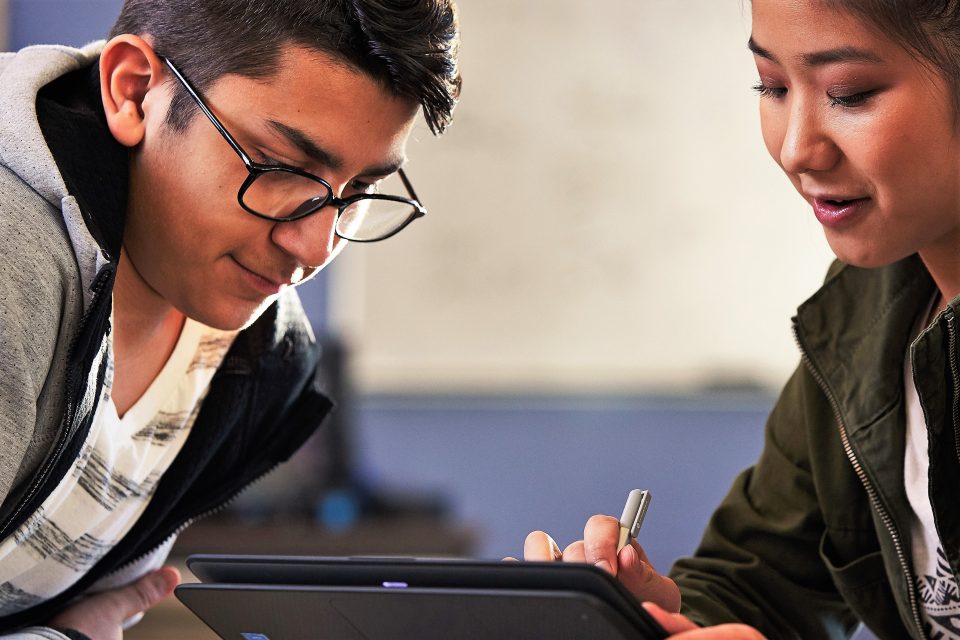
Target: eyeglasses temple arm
x=206, y=111
x=409, y=187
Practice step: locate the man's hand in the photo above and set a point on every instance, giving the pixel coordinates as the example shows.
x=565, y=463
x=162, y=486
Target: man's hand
x=100, y=616
x=680, y=628
x=599, y=548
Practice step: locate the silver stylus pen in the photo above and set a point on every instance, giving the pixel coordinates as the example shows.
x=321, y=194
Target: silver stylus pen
x=637, y=503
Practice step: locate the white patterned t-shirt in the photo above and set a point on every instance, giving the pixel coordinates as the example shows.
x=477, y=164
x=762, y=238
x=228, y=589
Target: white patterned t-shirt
x=112, y=480
x=936, y=585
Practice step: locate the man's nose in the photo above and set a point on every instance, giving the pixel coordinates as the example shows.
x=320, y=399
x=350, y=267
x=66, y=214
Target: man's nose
x=312, y=240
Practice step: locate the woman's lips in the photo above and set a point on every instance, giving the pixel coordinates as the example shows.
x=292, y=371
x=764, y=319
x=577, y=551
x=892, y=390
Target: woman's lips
x=834, y=213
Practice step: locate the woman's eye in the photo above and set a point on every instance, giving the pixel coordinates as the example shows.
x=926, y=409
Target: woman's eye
x=769, y=92
x=852, y=100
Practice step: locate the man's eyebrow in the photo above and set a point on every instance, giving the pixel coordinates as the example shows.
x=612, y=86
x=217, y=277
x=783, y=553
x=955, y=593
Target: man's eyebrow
x=385, y=169
x=302, y=141
x=821, y=58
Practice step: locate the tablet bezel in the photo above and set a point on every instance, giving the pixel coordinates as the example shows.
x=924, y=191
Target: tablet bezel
x=424, y=573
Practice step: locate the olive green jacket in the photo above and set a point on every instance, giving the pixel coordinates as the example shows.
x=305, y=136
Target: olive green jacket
x=815, y=537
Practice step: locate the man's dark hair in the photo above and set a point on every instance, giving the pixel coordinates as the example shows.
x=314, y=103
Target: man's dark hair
x=410, y=46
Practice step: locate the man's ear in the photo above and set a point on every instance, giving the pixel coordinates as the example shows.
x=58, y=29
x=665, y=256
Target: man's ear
x=129, y=70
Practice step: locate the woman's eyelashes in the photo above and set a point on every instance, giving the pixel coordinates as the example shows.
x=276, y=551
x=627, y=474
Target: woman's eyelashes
x=851, y=99
x=848, y=100
x=767, y=91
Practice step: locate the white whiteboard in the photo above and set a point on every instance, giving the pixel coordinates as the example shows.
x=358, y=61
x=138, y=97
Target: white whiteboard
x=603, y=214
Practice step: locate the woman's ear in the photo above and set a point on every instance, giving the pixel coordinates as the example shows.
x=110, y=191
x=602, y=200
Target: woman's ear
x=129, y=70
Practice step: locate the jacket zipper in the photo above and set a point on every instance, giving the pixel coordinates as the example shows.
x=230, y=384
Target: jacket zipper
x=955, y=372
x=179, y=528
x=97, y=288
x=865, y=480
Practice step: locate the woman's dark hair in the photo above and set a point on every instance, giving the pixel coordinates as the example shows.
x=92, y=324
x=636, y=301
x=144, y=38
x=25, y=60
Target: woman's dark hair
x=410, y=46
x=929, y=29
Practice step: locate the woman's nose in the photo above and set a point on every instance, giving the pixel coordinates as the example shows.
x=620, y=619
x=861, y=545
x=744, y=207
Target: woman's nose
x=806, y=144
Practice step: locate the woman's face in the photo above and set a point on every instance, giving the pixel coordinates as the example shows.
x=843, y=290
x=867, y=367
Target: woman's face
x=866, y=133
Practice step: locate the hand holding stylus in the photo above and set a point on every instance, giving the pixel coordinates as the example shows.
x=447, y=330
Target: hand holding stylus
x=600, y=547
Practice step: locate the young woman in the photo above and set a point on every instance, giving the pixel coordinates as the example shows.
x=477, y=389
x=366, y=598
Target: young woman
x=852, y=512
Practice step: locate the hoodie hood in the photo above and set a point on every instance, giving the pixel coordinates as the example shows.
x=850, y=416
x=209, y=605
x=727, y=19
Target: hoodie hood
x=24, y=150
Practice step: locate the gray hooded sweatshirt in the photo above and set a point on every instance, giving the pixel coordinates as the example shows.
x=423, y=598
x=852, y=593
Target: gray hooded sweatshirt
x=47, y=266
x=266, y=399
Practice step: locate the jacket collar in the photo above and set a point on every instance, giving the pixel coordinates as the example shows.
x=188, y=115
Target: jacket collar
x=94, y=166
x=855, y=331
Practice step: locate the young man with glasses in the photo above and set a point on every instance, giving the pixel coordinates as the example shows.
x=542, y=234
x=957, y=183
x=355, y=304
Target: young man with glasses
x=160, y=197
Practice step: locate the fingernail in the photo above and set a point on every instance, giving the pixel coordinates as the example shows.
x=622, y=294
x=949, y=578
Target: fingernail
x=603, y=564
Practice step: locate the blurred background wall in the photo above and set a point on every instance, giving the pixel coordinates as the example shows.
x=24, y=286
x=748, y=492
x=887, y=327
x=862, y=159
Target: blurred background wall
x=4, y=26
x=599, y=298
x=604, y=216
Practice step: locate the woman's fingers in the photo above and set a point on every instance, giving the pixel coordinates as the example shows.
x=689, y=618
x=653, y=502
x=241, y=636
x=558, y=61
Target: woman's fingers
x=600, y=537
x=539, y=546
x=643, y=581
x=574, y=552
x=681, y=628
x=672, y=623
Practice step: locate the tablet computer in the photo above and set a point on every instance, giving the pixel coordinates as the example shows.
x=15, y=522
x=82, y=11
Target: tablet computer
x=319, y=598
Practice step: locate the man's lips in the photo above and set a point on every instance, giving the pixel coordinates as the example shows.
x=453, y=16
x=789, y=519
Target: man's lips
x=260, y=282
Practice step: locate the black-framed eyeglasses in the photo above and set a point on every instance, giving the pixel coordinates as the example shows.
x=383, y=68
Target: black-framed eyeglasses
x=282, y=193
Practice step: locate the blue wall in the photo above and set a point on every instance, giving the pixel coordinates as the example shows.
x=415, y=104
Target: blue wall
x=510, y=466
x=72, y=22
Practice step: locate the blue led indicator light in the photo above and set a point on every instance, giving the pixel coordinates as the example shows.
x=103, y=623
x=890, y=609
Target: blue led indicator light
x=395, y=585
